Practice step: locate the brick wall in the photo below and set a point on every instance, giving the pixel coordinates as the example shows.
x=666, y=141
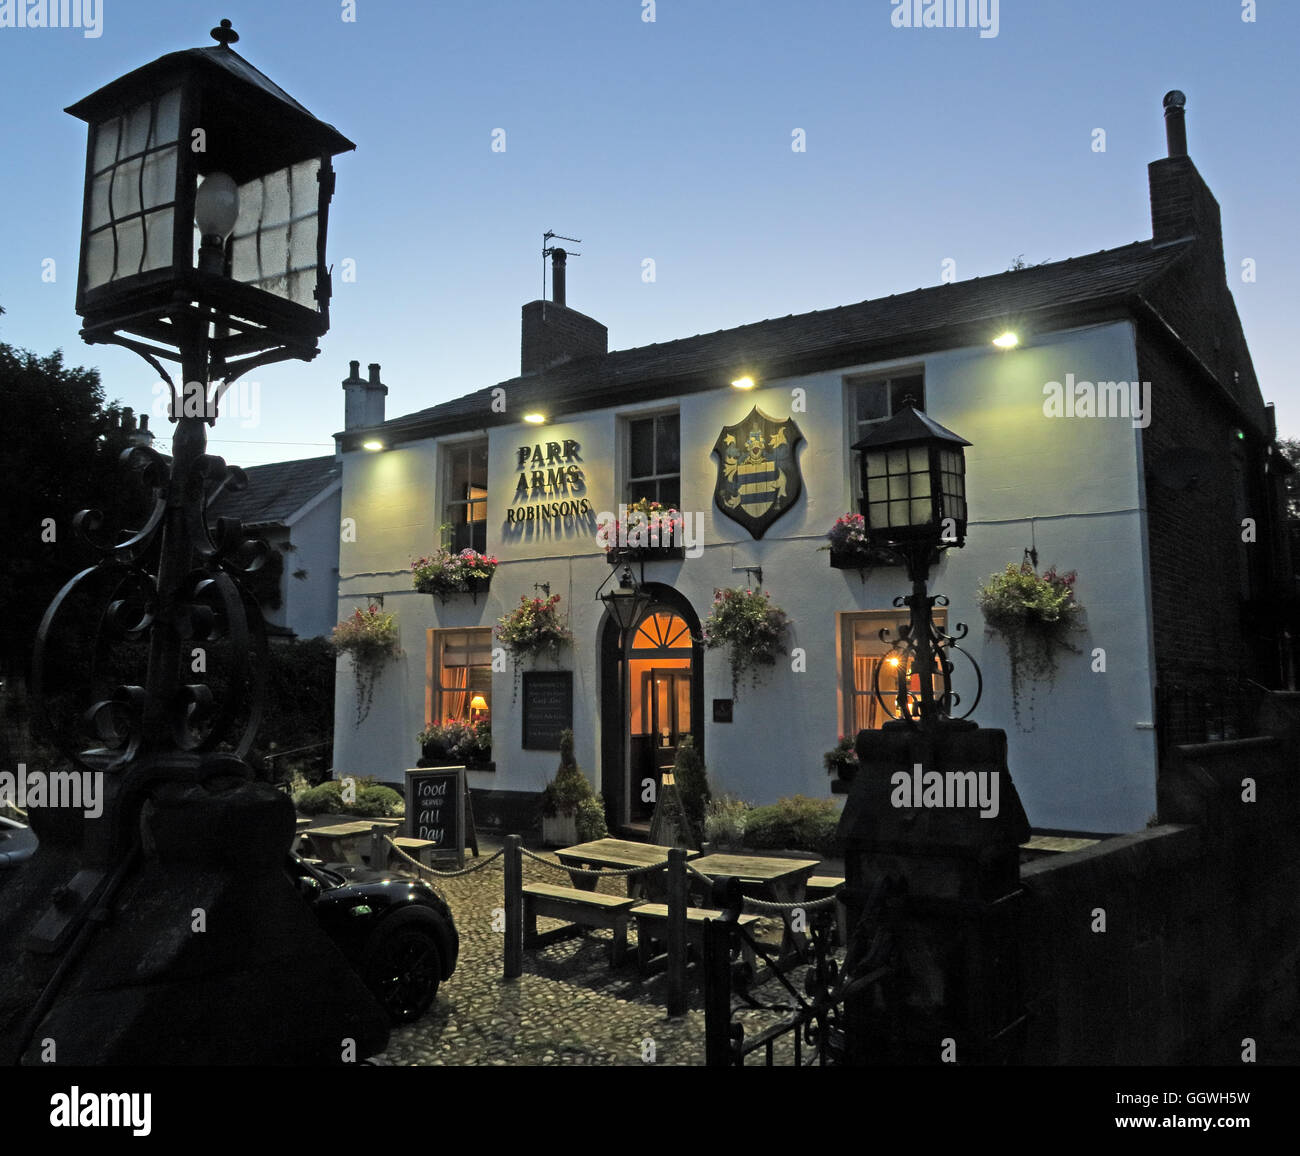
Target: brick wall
x=553, y=333
x=1199, y=914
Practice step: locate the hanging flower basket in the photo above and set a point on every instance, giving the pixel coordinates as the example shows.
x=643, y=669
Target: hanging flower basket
x=1035, y=615
x=750, y=627
x=650, y=532
x=371, y=638
x=444, y=573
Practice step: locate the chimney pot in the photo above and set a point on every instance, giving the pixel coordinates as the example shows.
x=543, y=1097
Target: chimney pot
x=374, y=373
x=1175, y=126
x=355, y=367
x=559, y=258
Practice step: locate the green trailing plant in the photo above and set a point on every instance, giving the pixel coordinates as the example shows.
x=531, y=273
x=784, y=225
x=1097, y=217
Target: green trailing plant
x=532, y=628
x=1035, y=615
x=751, y=628
x=371, y=638
x=569, y=793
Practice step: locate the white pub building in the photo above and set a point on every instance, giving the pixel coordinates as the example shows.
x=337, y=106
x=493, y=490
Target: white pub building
x=1116, y=429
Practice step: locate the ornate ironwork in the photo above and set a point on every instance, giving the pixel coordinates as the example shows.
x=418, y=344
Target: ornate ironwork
x=815, y=1020
x=184, y=617
x=905, y=654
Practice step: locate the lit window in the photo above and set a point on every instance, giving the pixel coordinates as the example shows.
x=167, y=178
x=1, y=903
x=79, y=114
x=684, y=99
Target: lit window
x=861, y=653
x=458, y=671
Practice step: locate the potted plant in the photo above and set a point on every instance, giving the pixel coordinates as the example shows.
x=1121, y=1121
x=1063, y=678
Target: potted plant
x=842, y=760
x=371, y=638
x=752, y=629
x=1035, y=614
x=850, y=547
x=571, y=811
x=442, y=573
x=456, y=742
x=649, y=530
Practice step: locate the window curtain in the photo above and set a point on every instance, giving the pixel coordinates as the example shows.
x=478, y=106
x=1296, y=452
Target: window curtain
x=455, y=695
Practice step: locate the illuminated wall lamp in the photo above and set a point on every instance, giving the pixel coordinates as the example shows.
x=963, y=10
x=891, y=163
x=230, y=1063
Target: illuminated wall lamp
x=745, y=382
x=1007, y=340
x=535, y=418
x=374, y=445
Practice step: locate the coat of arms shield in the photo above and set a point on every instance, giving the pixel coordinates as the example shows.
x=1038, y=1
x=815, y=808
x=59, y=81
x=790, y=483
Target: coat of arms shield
x=758, y=473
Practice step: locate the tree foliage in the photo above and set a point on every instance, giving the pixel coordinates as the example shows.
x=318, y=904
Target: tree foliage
x=59, y=455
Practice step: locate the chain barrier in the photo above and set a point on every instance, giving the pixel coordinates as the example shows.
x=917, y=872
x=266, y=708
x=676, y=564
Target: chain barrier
x=444, y=874
x=758, y=905
x=611, y=873
x=771, y=906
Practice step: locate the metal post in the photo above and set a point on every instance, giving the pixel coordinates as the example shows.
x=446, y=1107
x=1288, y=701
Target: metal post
x=514, y=896
x=378, y=852
x=717, y=993
x=677, y=932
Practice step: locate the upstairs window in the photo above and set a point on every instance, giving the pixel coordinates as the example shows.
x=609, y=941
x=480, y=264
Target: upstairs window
x=466, y=490
x=654, y=459
x=876, y=399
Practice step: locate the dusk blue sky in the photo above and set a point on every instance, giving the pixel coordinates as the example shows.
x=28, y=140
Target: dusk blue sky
x=671, y=140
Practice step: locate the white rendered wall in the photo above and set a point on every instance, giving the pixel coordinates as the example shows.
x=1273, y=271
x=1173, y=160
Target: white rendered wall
x=1086, y=758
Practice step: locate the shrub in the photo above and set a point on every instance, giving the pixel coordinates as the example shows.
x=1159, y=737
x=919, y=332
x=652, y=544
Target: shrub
x=725, y=818
x=692, y=781
x=569, y=793
x=751, y=628
x=795, y=822
x=372, y=801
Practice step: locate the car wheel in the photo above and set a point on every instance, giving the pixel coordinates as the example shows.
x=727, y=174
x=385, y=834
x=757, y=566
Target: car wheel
x=403, y=966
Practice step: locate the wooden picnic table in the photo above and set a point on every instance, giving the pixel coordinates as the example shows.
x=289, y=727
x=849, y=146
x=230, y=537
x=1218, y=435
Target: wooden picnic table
x=618, y=854
x=762, y=877
x=338, y=843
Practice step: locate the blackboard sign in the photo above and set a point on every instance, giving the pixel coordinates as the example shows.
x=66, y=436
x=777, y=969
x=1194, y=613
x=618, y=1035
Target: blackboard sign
x=548, y=708
x=435, y=809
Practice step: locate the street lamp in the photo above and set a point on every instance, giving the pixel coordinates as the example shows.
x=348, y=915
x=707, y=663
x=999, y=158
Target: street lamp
x=914, y=503
x=202, y=243
x=201, y=136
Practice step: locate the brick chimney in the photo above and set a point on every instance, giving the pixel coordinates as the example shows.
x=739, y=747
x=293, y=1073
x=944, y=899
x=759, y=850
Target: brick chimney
x=1182, y=205
x=554, y=333
x=364, y=404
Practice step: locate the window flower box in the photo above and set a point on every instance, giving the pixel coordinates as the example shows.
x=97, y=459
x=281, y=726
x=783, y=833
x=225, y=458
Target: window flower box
x=647, y=532
x=444, y=573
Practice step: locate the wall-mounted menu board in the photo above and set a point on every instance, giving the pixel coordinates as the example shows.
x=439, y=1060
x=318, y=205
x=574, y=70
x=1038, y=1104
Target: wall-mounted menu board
x=435, y=809
x=548, y=708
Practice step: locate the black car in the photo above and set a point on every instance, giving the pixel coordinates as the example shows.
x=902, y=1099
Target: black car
x=398, y=933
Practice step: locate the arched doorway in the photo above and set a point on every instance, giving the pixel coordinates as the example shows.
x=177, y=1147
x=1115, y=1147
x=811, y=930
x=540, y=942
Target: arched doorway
x=650, y=697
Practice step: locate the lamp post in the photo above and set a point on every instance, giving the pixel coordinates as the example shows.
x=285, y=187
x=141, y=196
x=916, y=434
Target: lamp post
x=914, y=503
x=205, y=210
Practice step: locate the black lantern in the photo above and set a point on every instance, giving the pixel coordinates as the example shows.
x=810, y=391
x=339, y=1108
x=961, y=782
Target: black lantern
x=203, y=134
x=913, y=482
x=626, y=602
x=913, y=503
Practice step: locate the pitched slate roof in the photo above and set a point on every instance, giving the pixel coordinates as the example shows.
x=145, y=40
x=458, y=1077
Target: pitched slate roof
x=942, y=316
x=276, y=491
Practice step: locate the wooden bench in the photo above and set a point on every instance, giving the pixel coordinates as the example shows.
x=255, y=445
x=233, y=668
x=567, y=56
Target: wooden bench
x=580, y=909
x=652, y=925
x=822, y=886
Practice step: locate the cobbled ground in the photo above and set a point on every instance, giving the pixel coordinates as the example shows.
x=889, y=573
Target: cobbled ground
x=568, y=1008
